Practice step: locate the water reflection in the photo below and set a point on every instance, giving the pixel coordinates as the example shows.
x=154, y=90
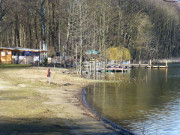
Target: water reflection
x=146, y=101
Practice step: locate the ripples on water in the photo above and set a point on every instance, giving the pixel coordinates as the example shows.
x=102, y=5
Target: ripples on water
x=146, y=102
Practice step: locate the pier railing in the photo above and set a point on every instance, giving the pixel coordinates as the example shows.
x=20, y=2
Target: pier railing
x=98, y=66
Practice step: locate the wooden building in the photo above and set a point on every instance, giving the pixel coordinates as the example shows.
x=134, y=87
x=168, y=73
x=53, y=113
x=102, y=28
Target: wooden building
x=18, y=55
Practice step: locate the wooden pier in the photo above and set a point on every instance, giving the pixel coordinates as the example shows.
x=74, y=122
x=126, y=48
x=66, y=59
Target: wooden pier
x=138, y=65
x=114, y=70
x=98, y=66
x=157, y=66
x=148, y=65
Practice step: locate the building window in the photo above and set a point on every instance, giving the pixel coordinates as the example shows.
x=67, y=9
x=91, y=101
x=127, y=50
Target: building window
x=2, y=53
x=8, y=53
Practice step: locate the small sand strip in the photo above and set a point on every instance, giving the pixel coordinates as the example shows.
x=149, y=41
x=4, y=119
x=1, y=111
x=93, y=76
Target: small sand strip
x=40, y=108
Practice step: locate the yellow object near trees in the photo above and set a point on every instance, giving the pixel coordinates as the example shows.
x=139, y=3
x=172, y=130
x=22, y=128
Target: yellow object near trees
x=116, y=53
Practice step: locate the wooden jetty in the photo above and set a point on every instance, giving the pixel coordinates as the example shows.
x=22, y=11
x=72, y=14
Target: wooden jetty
x=98, y=66
x=138, y=65
x=116, y=69
x=157, y=67
x=147, y=65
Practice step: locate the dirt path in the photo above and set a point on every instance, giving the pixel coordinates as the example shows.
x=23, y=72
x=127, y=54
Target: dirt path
x=30, y=106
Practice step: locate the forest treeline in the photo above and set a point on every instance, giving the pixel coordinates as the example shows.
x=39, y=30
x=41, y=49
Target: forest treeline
x=147, y=28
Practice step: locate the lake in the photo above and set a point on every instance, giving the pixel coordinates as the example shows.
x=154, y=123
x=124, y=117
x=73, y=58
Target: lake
x=144, y=101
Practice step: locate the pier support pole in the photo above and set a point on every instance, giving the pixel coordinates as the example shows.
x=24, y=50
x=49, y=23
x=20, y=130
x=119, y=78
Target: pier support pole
x=166, y=64
x=150, y=63
x=139, y=63
x=95, y=69
x=90, y=67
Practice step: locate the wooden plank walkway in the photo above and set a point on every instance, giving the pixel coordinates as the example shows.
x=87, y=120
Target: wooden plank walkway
x=139, y=65
x=113, y=70
x=146, y=66
x=157, y=66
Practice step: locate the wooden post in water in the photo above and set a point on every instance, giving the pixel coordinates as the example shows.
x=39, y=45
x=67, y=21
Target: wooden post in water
x=150, y=63
x=89, y=70
x=140, y=63
x=94, y=68
x=105, y=62
x=166, y=74
x=90, y=67
x=98, y=66
x=166, y=64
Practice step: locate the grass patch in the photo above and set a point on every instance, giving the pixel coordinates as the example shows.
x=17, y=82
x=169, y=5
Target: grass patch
x=14, y=65
x=22, y=106
x=20, y=98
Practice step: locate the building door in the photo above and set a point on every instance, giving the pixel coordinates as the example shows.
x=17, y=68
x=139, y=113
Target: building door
x=6, y=56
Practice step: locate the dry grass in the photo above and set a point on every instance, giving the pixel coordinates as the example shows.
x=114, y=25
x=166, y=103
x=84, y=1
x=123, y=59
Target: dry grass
x=29, y=105
x=22, y=104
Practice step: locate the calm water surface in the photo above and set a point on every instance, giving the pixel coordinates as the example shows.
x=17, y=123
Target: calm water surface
x=147, y=101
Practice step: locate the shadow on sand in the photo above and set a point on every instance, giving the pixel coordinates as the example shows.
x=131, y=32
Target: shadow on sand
x=40, y=126
x=34, y=126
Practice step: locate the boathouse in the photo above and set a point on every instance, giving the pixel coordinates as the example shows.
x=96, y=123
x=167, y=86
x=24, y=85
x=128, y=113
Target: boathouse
x=18, y=55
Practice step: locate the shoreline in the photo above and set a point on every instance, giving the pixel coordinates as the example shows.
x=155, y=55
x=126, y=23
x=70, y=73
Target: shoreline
x=60, y=104
x=114, y=126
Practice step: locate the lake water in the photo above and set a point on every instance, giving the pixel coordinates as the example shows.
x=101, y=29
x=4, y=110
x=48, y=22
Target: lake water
x=147, y=101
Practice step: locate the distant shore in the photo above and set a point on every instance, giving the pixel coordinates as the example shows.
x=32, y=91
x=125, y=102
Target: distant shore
x=170, y=60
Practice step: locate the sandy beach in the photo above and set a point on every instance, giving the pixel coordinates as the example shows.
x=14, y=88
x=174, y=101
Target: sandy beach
x=29, y=105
